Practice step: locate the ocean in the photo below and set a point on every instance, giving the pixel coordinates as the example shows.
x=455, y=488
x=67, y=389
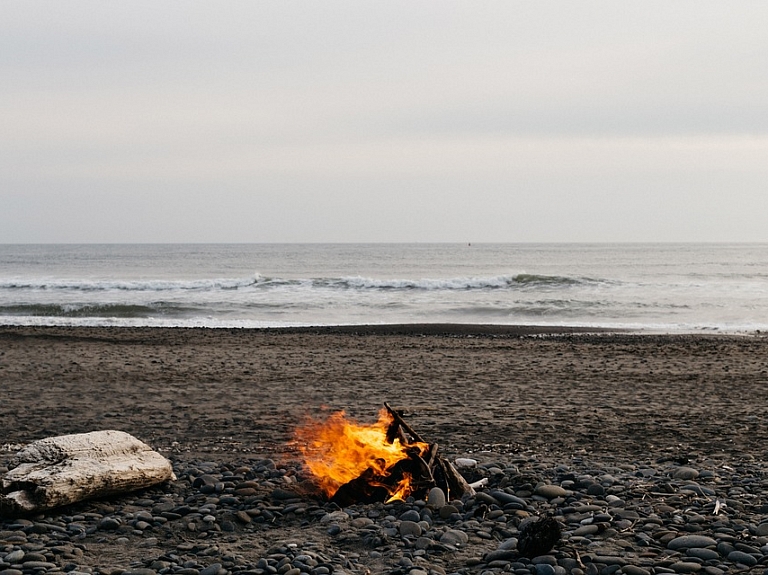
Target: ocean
x=658, y=287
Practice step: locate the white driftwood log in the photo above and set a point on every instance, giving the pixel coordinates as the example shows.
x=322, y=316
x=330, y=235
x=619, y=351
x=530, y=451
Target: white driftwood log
x=61, y=470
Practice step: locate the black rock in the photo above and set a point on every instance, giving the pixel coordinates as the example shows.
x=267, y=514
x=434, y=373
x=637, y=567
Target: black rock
x=538, y=537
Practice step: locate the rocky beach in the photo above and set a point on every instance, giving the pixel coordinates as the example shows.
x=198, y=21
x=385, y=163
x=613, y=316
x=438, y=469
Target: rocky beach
x=649, y=451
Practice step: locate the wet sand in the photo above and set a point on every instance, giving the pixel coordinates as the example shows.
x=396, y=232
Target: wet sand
x=232, y=393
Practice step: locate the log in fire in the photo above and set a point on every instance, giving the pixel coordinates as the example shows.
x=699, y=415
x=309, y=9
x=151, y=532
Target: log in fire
x=384, y=461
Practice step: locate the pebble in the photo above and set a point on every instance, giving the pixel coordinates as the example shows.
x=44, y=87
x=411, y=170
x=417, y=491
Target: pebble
x=544, y=569
x=688, y=541
x=550, y=491
x=685, y=567
x=454, y=537
x=411, y=515
x=634, y=570
x=109, y=524
x=685, y=473
x=436, y=498
x=410, y=529
x=446, y=511
x=14, y=556
x=595, y=489
x=742, y=558
x=639, y=518
x=704, y=554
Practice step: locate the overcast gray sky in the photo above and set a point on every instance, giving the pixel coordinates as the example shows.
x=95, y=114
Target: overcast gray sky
x=152, y=121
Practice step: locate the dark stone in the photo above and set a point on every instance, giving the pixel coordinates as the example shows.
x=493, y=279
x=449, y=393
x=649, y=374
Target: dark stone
x=538, y=537
x=109, y=524
x=743, y=558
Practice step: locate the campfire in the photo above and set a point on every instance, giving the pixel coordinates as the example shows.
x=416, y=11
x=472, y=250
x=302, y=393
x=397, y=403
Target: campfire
x=379, y=462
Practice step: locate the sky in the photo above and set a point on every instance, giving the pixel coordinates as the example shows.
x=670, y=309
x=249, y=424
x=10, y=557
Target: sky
x=396, y=121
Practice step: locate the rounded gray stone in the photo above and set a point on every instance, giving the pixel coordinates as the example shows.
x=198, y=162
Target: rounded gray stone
x=411, y=515
x=212, y=569
x=702, y=553
x=634, y=570
x=484, y=497
x=447, y=510
x=743, y=558
x=454, y=537
x=544, y=569
x=723, y=547
x=436, y=498
x=685, y=473
x=689, y=541
x=38, y=565
x=410, y=529
x=360, y=522
x=685, y=567
x=551, y=491
x=506, y=498
x=596, y=489
x=228, y=526
x=423, y=542
x=335, y=517
x=14, y=556
x=586, y=530
x=109, y=524
x=508, y=544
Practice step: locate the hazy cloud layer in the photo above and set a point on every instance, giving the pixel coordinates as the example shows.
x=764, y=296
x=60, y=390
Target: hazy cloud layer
x=383, y=121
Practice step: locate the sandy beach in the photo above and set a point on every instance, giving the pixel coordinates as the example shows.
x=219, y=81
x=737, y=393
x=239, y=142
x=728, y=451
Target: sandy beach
x=508, y=390
x=233, y=397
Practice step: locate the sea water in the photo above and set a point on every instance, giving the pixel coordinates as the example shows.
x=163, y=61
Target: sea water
x=659, y=287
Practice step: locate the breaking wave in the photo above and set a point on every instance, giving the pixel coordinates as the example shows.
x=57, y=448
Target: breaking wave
x=118, y=285
x=518, y=281
x=84, y=310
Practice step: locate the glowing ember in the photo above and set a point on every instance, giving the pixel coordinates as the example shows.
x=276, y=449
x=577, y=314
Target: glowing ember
x=339, y=450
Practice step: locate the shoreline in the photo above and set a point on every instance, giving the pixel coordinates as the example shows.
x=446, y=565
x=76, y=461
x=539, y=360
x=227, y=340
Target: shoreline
x=419, y=328
x=404, y=329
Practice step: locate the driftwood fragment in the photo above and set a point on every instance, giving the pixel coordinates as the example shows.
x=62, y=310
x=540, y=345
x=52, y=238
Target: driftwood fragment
x=397, y=416
x=455, y=486
x=62, y=470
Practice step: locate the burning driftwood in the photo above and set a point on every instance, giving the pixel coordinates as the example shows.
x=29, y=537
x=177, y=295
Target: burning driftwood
x=385, y=461
x=62, y=470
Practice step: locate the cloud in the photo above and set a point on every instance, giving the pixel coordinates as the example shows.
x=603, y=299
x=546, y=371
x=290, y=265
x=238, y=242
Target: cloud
x=599, y=104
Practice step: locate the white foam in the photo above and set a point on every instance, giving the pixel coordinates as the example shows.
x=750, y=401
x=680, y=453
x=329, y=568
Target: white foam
x=87, y=285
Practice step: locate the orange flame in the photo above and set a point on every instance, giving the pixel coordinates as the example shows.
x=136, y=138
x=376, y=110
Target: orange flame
x=402, y=490
x=339, y=450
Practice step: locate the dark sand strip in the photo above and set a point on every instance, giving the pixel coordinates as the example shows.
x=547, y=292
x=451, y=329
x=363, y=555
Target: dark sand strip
x=221, y=393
